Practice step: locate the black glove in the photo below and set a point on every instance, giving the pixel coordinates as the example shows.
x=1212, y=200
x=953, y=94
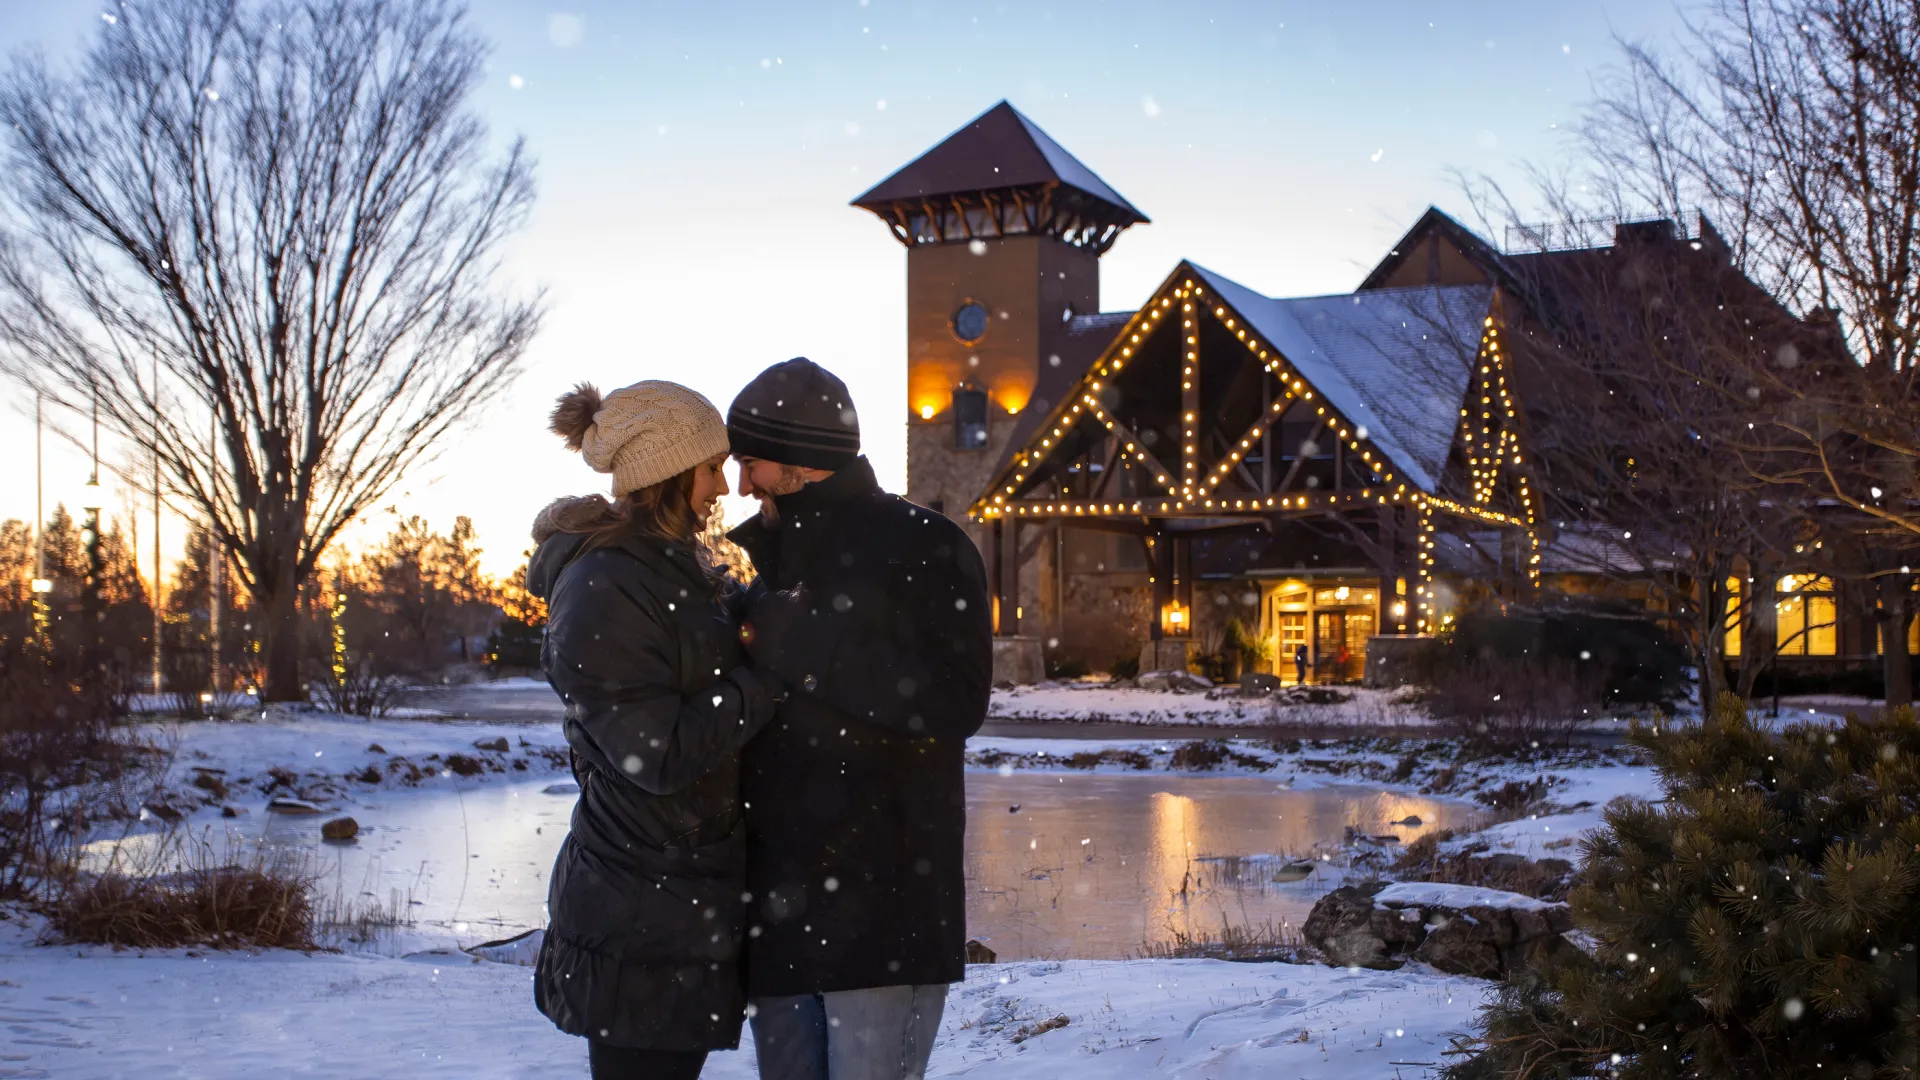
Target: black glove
x=783, y=635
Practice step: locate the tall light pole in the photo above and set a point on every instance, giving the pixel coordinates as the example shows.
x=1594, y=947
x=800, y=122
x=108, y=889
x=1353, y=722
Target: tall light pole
x=215, y=569
x=92, y=611
x=41, y=585
x=159, y=621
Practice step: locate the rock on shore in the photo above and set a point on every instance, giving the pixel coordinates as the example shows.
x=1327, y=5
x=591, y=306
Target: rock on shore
x=1458, y=929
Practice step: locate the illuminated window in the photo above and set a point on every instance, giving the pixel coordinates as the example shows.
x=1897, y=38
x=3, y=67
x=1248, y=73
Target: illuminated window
x=969, y=418
x=1733, y=616
x=1807, y=616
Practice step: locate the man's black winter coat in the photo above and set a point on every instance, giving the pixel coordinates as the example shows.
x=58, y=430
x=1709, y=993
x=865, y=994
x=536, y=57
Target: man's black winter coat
x=645, y=906
x=856, y=803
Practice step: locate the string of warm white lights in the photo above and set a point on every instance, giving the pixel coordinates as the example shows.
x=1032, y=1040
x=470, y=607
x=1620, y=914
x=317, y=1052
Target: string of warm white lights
x=1142, y=324
x=1273, y=364
x=1491, y=446
x=1192, y=494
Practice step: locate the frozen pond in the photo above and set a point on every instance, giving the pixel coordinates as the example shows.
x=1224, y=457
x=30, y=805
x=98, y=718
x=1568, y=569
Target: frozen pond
x=1101, y=866
x=1093, y=866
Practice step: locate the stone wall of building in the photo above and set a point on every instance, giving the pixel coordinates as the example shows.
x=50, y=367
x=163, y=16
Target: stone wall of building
x=1103, y=618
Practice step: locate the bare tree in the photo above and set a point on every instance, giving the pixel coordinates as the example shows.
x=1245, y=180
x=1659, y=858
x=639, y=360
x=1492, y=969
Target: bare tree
x=1795, y=126
x=1646, y=482
x=265, y=236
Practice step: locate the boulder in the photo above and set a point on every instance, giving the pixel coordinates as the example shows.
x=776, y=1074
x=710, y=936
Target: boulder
x=979, y=954
x=1257, y=684
x=288, y=805
x=499, y=745
x=1458, y=929
x=344, y=828
x=1173, y=680
x=1352, y=931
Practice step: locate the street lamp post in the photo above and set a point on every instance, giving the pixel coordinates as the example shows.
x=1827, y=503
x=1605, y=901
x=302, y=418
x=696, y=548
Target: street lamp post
x=41, y=585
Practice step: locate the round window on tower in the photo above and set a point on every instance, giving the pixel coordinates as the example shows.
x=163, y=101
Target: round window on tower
x=970, y=322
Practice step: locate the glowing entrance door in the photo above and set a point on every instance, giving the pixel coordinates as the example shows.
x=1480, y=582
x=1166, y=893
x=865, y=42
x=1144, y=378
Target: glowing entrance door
x=1329, y=645
x=1291, y=668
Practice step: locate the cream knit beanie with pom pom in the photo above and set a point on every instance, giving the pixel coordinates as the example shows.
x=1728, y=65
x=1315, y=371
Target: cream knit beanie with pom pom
x=641, y=434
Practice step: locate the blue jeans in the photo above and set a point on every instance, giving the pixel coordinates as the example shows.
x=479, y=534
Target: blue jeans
x=884, y=1033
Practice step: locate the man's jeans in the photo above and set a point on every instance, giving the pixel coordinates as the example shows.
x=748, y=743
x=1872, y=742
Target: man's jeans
x=885, y=1033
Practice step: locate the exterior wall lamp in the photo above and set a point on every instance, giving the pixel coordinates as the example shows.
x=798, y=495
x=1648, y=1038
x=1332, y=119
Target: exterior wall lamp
x=1174, y=621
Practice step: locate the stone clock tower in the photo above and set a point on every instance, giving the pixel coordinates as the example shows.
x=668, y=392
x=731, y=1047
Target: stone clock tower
x=1004, y=231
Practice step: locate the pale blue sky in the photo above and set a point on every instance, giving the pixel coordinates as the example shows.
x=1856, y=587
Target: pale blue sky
x=696, y=160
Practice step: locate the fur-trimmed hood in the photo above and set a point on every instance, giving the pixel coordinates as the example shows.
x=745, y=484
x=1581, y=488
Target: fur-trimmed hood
x=572, y=514
x=560, y=529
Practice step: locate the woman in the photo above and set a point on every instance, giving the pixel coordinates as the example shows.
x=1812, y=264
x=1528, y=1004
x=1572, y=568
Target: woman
x=645, y=906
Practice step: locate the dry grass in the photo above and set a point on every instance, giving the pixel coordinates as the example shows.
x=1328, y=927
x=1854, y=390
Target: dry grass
x=1087, y=759
x=1211, y=754
x=170, y=890
x=222, y=906
x=1253, y=942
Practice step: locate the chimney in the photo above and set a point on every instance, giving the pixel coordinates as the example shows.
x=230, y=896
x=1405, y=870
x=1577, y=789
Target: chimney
x=1657, y=231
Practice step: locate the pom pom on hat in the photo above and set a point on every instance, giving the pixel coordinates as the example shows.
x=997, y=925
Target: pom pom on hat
x=640, y=434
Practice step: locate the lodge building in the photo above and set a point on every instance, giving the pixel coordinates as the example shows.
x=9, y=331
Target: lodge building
x=1336, y=473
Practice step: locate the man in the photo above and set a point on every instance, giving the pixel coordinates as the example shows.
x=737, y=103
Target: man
x=875, y=610
x=1300, y=664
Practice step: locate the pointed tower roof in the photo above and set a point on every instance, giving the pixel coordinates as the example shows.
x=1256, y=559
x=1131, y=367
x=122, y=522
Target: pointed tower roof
x=1002, y=162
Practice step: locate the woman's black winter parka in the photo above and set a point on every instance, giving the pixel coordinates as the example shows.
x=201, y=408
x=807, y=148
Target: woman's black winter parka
x=645, y=906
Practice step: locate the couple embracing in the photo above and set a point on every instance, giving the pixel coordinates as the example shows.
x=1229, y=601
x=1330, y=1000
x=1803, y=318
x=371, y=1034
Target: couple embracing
x=771, y=807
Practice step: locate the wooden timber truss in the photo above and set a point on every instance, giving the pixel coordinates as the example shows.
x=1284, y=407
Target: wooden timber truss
x=1192, y=420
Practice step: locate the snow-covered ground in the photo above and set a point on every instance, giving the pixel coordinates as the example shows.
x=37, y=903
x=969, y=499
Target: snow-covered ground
x=1224, y=707
x=1557, y=834
x=318, y=756
x=415, y=1006
x=92, y=1014
x=329, y=743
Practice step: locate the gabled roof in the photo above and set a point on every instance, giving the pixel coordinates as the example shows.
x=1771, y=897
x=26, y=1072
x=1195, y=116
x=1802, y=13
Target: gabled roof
x=1476, y=250
x=1393, y=361
x=998, y=149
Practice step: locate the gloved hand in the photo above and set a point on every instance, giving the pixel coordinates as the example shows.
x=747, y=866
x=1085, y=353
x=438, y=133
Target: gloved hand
x=783, y=636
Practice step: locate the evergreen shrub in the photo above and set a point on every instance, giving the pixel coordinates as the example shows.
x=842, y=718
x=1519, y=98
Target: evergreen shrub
x=1625, y=656
x=1759, y=923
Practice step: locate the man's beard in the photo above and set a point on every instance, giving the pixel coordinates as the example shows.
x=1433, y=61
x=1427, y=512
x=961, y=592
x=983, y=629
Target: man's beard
x=792, y=479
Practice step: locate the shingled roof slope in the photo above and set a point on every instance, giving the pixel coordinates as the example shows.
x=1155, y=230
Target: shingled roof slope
x=1394, y=361
x=998, y=149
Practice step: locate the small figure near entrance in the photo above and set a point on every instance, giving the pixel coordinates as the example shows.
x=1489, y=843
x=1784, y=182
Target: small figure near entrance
x=1300, y=664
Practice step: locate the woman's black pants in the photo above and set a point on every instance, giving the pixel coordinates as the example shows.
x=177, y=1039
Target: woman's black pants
x=620, y=1063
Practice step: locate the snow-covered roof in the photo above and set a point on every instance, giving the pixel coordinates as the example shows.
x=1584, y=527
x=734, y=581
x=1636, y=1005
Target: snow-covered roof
x=1395, y=362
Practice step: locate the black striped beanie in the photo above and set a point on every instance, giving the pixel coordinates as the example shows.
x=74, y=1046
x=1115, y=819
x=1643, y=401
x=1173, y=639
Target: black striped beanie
x=795, y=413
